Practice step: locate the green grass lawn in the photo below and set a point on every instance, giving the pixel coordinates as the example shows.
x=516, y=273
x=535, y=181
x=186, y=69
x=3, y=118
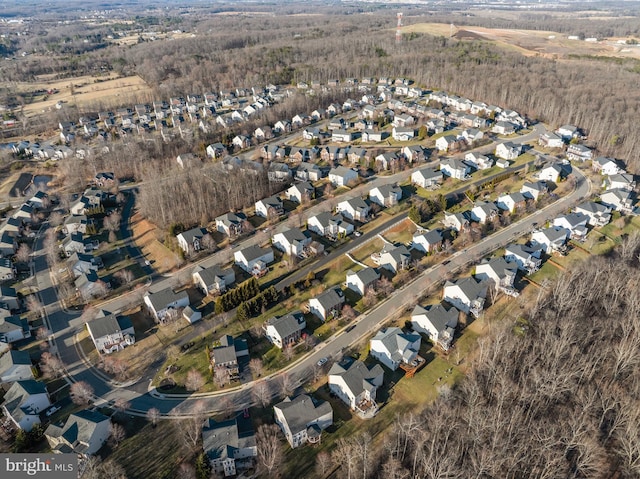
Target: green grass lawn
x=547, y=271
x=574, y=256
x=336, y=271
x=597, y=243
x=401, y=234
x=365, y=251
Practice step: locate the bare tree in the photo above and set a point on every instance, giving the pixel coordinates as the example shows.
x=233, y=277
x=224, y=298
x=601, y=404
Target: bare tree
x=120, y=405
x=287, y=351
x=190, y=428
x=23, y=255
x=348, y=312
x=194, y=380
x=50, y=365
x=34, y=305
x=116, y=434
x=286, y=384
x=81, y=393
x=261, y=392
x=370, y=298
x=221, y=375
x=112, y=470
x=186, y=471
x=256, y=367
x=385, y=286
x=56, y=219
x=269, y=449
x=125, y=276
x=153, y=415
x=323, y=463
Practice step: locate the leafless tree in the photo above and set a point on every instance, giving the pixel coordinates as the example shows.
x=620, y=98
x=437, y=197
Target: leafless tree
x=194, y=380
x=56, y=219
x=208, y=242
x=112, y=470
x=23, y=255
x=261, y=393
x=153, y=415
x=286, y=384
x=125, y=276
x=81, y=393
x=323, y=463
x=370, y=298
x=287, y=351
x=186, y=471
x=190, y=429
x=120, y=405
x=50, y=365
x=34, y=305
x=348, y=312
x=385, y=286
x=269, y=449
x=256, y=367
x=221, y=376
x=116, y=434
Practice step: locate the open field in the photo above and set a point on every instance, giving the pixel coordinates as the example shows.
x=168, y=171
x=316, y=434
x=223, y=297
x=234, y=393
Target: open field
x=530, y=42
x=144, y=235
x=81, y=91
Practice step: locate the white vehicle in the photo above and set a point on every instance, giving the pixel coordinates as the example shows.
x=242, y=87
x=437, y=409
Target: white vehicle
x=322, y=361
x=52, y=410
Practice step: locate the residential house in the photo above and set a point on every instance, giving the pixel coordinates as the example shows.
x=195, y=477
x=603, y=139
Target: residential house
x=342, y=176
x=231, y=224
x=9, y=298
x=373, y=136
x=508, y=150
x=504, y=128
x=454, y=168
x=74, y=243
x=39, y=200
x=230, y=445
x=414, y=153
x=437, y=322
x=190, y=241
x=394, y=258
x=15, y=365
x=574, y=224
x=356, y=385
x=426, y=178
x=533, y=190
x=552, y=172
x=24, y=214
x=75, y=224
x=622, y=181
x=165, y=302
x=84, y=432
x=191, y=315
x=80, y=263
x=213, y=279
x=403, y=120
x=578, y=152
x=282, y=126
x=89, y=286
x=550, y=140
x=511, y=202
x=269, y=207
x=361, y=281
x=484, y=211
x=110, y=332
x=327, y=305
x=385, y=195
x=329, y=225
x=607, y=166
x=497, y=271
x=341, y=136
x=526, y=257
x=436, y=125
x=308, y=172
x=13, y=328
x=187, y=160
x=392, y=347
x=401, y=133
x=446, y=143
x=291, y=241
x=283, y=331
x=302, y=419
x=618, y=199
x=354, y=209
x=254, y=260
x=598, y=213
x=550, y=240
x=568, y=132
x=23, y=403
x=466, y=294
x=300, y=192
x=472, y=135
x=216, y=150
x=385, y=160
x=224, y=356
x=7, y=269
x=8, y=245
x=427, y=241
x=455, y=221
x=478, y=161
x=279, y=172
x=241, y=141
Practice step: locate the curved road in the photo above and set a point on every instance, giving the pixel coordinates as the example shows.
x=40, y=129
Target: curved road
x=64, y=324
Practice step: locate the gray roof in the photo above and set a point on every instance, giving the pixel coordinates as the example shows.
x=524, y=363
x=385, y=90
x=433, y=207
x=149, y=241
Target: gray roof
x=254, y=252
x=231, y=218
x=470, y=287
x=210, y=274
x=224, y=354
x=289, y=324
x=438, y=315
x=193, y=233
x=80, y=257
x=14, y=357
x=388, y=190
x=18, y=393
x=397, y=343
x=341, y=171
x=272, y=201
x=499, y=265
x=366, y=275
x=12, y=323
x=162, y=298
x=357, y=203
x=302, y=411
x=238, y=343
x=429, y=173
x=78, y=429
x=574, y=219
x=431, y=237
x=554, y=234
x=109, y=324
x=75, y=219
x=593, y=207
x=293, y=235
x=356, y=375
x=522, y=251
x=222, y=440
x=86, y=278
x=331, y=298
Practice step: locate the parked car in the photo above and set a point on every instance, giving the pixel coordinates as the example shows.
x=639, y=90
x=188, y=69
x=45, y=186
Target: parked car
x=322, y=361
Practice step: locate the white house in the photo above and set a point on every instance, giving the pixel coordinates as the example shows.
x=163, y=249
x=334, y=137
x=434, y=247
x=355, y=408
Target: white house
x=478, y=161
x=213, y=279
x=426, y=177
x=327, y=305
x=165, y=302
x=385, y=195
x=13, y=328
x=110, y=332
x=361, y=281
x=484, y=211
x=427, y=241
x=508, y=150
x=328, y=225
x=342, y=176
x=622, y=181
x=302, y=419
x=534, y=190
x=437, y=322
x=269, y=207
x=341, y=136
x=291, y=241
x=575, y=224
x=23, y=403
x=393, y=347
x=551, y=172
x=300, y=192
x=190, y=241
x=550, y=239
x=394, y=258
x=578, y=152
x=607, y=166
x=454, y=168
x=618, y=199
x=567, y=132
x=253, y=259
x=526, y=257
x=500, y=272
x=282, y=331
x=466, y=294
x=446, y=142
x=356, y=385
x=15, y=365
x=84, y=432
x=455, y=221
x=512, y=201
x=401, y=133
x=230, y=446
x=354, y=209
x=308, y=172
x=550, y=140
x=598, y=213
x=504, y=128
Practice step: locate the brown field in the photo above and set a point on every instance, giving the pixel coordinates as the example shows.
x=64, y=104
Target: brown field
x=530, y=42
x=87, y=90
x=145, y=237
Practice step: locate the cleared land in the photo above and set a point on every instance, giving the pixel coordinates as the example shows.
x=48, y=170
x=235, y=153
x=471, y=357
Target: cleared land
x=144, y=235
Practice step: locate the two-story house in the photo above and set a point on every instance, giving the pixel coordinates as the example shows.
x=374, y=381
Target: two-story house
x=285, y=330
x=302, y=419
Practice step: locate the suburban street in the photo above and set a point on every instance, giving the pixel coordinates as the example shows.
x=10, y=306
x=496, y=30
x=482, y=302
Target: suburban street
x=64, y=324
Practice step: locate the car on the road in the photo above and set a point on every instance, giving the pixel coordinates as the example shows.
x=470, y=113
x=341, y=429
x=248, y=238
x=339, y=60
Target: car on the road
x=322, y=361
x=357, y=233
x=52, y=410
